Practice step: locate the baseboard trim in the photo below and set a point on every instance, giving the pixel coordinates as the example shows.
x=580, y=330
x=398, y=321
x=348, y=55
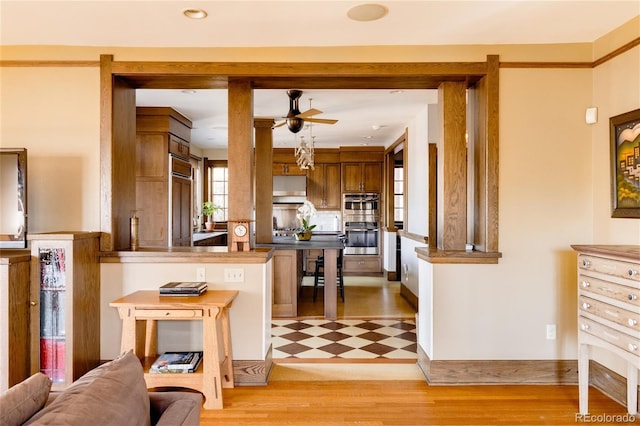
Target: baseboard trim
x=408, y=295
x=253, y=372
x=609, y=382
x=487, y=372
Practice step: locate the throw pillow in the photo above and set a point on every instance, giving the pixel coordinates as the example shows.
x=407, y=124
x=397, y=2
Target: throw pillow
x=23, y=400
x=114, y=393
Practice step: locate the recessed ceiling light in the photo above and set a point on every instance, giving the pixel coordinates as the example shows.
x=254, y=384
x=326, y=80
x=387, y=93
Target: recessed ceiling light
x=396, y=92
x=367, y=12
x=194, y=13
x=189, y=91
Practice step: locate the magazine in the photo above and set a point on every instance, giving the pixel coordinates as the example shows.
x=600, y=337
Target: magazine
x=176, y=362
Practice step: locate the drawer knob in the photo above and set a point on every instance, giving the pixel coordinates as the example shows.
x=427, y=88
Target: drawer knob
x=632, y=322
x=584, y=326
x=585, y=305
x=585, y=284
x=632, y=297
x=585, y=263
x=632, y=347
x=632, y=272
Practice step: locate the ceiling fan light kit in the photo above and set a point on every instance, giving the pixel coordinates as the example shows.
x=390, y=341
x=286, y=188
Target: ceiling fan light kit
x=295, y=121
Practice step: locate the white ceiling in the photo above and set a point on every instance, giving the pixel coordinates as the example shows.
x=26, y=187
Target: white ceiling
x=239, y=23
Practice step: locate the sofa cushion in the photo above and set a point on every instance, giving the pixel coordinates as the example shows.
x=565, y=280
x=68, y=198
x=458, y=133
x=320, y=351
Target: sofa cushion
x=23, y=400
x=114, y=393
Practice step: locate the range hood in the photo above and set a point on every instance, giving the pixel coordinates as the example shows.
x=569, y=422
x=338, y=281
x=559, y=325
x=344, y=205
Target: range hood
x=289, y=189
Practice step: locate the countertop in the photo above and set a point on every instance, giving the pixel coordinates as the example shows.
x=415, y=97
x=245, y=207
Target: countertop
x=198, y=236
x=316, y=242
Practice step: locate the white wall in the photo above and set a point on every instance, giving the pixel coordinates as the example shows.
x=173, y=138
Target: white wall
x=55, y=114
x=250, y=313
x=417, y=185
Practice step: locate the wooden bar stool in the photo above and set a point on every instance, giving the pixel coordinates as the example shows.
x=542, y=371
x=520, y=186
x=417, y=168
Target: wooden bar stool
x=318, y=277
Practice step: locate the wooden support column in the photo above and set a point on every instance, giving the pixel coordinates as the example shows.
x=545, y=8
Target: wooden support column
x=240, y=151
x=452, y=167
x=117, y=157
x=264, y=179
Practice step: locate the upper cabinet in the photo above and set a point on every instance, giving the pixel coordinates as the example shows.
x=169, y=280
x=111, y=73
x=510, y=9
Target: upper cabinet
x=288, y=169
x=284, y=163
x=362, y=177
x=323, y=183
x=361, y=169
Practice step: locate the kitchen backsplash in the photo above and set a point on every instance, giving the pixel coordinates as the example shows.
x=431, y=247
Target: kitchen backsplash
x=327, y=221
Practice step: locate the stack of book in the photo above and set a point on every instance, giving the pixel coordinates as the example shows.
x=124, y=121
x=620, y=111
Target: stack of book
x=183, y=289
x=176, y=362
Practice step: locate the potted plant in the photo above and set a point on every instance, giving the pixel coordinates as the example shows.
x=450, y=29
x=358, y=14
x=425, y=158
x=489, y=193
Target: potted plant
x=208, y=209
x=303, y=233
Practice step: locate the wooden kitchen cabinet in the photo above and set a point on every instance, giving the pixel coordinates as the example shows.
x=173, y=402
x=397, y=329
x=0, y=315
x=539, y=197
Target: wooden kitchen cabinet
x=362, y=265
x=323, y=186
x=163, y=177
x=288, y=169
x=362, y=177
x=65, y=305
x=287, y=277
x=15, y=364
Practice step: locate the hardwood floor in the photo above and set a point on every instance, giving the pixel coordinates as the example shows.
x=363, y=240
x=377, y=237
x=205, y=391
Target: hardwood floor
x=328, y=394
x=364, y=297
x=405, y=403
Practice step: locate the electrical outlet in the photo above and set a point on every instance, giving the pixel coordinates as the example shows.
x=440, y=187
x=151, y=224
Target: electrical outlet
x=200, y=274
x=233, y=275
x=551, y=332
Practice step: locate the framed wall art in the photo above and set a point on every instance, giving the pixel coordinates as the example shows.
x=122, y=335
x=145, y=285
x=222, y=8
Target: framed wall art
x=625, y=164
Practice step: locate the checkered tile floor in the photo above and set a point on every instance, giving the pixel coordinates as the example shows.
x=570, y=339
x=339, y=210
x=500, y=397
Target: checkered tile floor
x=345, y=338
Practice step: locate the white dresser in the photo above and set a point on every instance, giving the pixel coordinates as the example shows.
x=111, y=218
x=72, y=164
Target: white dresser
x=609, y=311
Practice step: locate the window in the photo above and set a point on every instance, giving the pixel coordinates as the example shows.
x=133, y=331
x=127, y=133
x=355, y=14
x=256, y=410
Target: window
x=218, y=188
x=398, y=194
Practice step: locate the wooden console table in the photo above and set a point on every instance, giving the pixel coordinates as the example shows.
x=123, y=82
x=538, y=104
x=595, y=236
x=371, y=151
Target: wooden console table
x=140, y=312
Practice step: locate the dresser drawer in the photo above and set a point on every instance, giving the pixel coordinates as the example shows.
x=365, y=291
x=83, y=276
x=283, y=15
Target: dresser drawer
x=159, y=314
x=609, y=312
x=621, y=293
x=616, y=338
x=615, y=268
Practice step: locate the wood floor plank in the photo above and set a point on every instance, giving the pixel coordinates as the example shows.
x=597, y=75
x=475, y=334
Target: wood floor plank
x=383, y=403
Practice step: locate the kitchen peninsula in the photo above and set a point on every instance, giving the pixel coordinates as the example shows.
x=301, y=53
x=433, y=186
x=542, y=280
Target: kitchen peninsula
x=287, y=259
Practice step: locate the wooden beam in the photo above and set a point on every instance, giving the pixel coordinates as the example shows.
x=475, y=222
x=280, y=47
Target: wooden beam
x=264, y=175
x=240, y=150
x=452, y=167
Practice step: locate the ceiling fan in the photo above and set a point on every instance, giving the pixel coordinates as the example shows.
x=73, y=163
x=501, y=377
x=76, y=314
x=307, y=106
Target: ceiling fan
x=295, y=119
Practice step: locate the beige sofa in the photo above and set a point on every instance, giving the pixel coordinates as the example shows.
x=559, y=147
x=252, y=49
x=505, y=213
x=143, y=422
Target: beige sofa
x=114, y=393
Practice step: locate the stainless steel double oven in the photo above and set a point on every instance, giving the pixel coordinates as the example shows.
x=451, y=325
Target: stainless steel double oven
x=361, y=223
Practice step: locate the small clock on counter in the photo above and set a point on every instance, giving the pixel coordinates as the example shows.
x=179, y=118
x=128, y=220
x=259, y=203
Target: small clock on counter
x=239, y=233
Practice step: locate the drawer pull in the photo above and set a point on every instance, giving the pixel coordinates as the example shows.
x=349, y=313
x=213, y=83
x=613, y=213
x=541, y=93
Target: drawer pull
x=585, y=327
x=632, y=347
x=632, y=297
x=586, y=263
x=585, y=305
x=632, y=322
x=632, y=272
x=585, y=284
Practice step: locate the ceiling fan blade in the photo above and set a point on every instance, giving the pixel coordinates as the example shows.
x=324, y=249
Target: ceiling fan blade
x=321, y=120
x=282, y=123
x=309, y=113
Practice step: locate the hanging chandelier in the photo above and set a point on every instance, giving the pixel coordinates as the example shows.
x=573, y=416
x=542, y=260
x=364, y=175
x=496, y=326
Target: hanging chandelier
x=304, y=152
